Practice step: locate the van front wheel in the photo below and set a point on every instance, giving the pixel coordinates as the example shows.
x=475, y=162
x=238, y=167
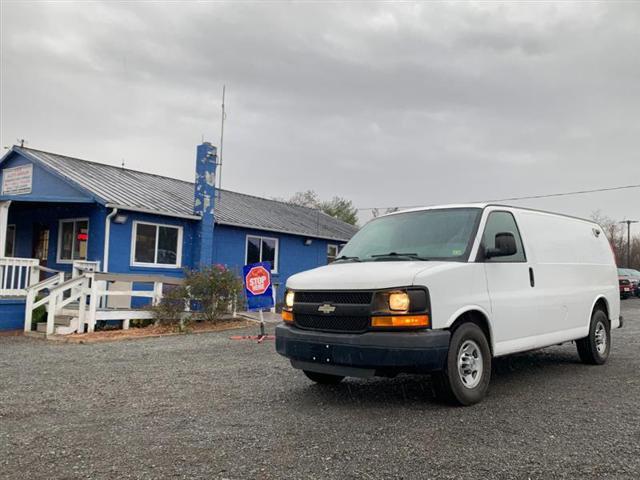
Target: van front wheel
x=594, y=349
x=465, y=378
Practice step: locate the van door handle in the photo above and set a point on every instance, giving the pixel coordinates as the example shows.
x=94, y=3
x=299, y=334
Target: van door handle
x=532, y=279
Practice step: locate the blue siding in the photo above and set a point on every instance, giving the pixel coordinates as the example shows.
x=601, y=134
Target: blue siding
x=120, y=244
x=11, y=314
x=229, y=245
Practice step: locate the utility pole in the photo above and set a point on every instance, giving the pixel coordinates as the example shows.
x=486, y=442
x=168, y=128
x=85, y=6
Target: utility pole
x=628, y=222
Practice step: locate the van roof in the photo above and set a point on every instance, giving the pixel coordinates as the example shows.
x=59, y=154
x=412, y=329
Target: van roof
x=488, y=204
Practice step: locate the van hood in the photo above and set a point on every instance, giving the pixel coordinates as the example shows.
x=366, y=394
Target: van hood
x=363, y=275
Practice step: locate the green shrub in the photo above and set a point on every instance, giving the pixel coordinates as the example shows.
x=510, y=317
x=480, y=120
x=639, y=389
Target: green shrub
x=209, y=292
x=170, y=310
x=141, y=322
x=39, y=314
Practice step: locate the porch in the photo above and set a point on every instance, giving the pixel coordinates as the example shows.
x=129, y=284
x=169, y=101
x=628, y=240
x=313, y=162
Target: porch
x=51, y=258
x=55, y=233
x=76, y=302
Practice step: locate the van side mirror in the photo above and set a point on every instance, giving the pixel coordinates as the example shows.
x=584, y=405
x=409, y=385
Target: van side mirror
x=505, y=246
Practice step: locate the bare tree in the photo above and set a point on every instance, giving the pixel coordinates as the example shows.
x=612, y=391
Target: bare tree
x=337, y=207
x=616, y=233
x=376, y=211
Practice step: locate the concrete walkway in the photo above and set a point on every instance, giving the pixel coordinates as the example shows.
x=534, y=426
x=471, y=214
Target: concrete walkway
x=269, y=317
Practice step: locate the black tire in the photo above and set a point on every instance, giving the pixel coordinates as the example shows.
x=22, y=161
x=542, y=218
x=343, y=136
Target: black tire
x=591, y=349
x=449, y=384
x=323, y=378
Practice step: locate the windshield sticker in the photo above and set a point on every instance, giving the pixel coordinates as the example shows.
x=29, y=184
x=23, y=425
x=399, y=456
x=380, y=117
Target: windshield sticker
x=456, y=252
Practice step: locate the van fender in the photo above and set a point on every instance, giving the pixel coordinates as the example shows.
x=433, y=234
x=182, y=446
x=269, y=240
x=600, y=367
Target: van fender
x=474, y=308
x=614, y=323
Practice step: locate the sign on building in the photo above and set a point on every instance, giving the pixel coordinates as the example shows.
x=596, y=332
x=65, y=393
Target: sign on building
x=257, y=284
x=17, y=180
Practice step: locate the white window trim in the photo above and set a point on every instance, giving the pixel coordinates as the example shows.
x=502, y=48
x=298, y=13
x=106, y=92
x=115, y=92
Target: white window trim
x=134, y=230
x=59, y=248
x=274, y=267
x=13, y=252
x=336, y=246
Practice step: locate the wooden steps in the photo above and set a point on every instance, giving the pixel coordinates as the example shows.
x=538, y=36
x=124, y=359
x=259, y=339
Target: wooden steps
x=62, y=325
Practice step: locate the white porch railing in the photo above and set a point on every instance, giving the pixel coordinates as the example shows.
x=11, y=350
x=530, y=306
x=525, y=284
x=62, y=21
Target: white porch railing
x=49, y=284
x=82, y=266
x=16, y=275
x=89, y=289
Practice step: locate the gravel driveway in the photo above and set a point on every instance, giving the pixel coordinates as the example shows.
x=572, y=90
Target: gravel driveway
x=203, y=406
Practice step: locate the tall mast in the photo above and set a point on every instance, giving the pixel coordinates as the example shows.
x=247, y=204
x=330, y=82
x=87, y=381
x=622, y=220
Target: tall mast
x=224, y=87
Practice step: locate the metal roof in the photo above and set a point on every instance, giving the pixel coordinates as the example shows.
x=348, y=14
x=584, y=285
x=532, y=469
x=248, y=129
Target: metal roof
x=146, y=192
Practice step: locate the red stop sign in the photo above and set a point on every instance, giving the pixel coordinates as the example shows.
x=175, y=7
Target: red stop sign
x=258, y=280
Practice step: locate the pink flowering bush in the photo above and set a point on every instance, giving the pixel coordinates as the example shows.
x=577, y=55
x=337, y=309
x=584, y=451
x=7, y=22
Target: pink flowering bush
x=209, y=293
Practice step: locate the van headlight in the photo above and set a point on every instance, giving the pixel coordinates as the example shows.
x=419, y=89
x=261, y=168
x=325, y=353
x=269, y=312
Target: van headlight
x=289, y=298
x=399, y=301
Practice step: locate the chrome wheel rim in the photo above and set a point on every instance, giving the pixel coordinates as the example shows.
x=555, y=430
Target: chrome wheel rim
x=470, y=365
x=601, y=338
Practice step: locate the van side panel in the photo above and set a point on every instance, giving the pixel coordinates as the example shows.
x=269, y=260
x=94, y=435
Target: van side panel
x=574, y=266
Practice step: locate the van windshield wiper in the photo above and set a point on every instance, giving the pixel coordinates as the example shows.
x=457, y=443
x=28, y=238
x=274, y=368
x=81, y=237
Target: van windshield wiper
x=412, y=256
x=347, y=259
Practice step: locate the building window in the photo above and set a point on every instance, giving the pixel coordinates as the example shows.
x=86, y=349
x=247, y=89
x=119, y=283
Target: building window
x=73, y=236
x=262, y=249
x=332, y=252
x=10, y=246
x=156, y=245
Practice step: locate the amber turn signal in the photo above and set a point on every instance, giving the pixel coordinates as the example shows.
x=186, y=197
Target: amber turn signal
x=401, y=321
x=287, y=316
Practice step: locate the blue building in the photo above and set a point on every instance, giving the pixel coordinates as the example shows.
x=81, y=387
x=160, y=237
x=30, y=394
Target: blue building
x=57, y=210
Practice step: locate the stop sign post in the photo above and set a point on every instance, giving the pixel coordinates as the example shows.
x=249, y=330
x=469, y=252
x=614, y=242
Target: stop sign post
x=257, y=284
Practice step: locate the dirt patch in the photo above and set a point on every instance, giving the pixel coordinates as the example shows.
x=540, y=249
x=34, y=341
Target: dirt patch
x=151, y=331
x=11, y=333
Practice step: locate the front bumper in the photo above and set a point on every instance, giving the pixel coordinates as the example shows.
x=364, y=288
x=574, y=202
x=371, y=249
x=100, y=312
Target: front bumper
x=363, y=354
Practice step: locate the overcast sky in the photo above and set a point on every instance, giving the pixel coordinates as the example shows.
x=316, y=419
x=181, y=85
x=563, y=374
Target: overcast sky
x=385, y=104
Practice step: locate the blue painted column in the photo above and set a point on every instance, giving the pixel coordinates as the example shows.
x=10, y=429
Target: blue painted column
x=203, y=205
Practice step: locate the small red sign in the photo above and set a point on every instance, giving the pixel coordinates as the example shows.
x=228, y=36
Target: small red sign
x=258, y=280
x=83, y=236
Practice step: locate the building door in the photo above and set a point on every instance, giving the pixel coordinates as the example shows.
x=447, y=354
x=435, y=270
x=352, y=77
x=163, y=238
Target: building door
x=41, y=245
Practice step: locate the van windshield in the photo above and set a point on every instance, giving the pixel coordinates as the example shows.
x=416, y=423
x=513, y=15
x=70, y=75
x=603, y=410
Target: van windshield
x=442, y=234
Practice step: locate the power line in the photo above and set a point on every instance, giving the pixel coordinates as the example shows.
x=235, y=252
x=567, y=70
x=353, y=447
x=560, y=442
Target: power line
x=529, y=197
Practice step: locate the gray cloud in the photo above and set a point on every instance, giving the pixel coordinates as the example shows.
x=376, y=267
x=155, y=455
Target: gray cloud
x=387, y=104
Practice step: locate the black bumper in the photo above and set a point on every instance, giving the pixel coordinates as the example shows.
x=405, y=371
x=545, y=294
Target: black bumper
x=363, y=354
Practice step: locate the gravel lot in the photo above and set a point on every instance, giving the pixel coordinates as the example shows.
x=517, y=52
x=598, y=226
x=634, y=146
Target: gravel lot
x=203, y=406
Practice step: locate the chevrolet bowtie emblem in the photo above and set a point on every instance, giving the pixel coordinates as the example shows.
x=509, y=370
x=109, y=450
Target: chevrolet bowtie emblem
x=326, y=308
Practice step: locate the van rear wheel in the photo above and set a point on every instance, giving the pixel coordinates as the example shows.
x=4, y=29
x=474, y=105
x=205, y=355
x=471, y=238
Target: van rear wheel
x=323, y=378
x=594, y=349
x=465, y=378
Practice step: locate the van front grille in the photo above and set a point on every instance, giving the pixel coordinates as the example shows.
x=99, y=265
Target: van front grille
x=346, y=297
x=329, y=323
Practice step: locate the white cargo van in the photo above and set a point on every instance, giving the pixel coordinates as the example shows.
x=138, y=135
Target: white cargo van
x=446, y=289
